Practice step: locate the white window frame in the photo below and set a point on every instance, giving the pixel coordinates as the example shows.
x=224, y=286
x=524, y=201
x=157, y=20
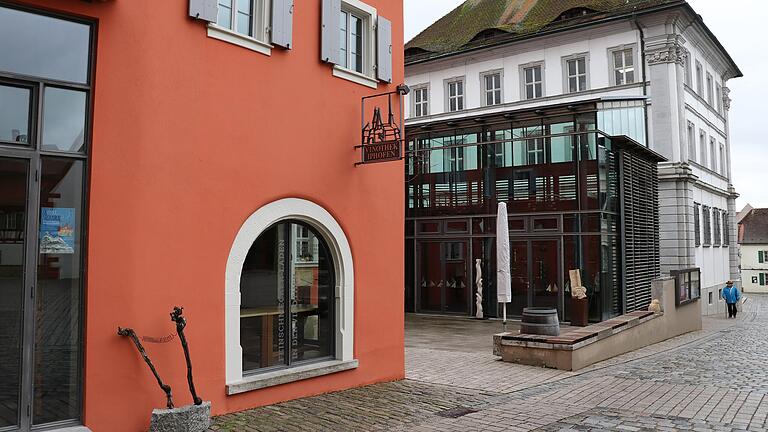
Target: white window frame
x=524, y=84
x=710, y=90
x=613, y=68
x=723, y=165
x=327, y=227
x=688, y=72
x=426, y=102
x=258, y=42
x=712, y=154
x=699, y=79
x=719, y=97
x=691, y=141
x=370, y=18
x=458, y=97
x=703, y=147
x=567, y=76
x=484, y=91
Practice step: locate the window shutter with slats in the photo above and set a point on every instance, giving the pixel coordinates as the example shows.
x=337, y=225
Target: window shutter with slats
x=760, y=257
x=206, y=10
x=384, y=50
x=762, y=278
x=330, y=31
x=282, y=23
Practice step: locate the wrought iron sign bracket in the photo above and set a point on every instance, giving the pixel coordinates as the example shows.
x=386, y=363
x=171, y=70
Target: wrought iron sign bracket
x=382, y=141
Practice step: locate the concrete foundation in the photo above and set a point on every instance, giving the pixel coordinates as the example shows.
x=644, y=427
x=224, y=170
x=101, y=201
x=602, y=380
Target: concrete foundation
x=581, y=348
x=191, y=418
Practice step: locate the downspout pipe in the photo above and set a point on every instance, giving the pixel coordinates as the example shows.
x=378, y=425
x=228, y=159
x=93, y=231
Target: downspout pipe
x=645, y=80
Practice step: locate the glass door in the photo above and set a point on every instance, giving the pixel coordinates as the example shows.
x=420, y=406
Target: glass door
x=457, y=284
x=45, y=93
x=444, y=277
x=518, y=257
x=431, y=280
x=14, y=178
x=545, y=273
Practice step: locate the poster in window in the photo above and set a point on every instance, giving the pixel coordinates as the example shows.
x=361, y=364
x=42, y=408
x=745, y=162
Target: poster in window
x=57, y=230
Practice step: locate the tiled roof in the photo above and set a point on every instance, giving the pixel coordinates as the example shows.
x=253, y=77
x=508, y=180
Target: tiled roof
x=479, y=22
x=755, y=226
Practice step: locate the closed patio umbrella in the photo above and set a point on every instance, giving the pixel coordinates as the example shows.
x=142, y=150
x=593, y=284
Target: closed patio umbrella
x=503, y=276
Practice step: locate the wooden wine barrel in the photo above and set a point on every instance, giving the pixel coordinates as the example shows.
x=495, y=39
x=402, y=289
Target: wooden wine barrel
x=540, y=321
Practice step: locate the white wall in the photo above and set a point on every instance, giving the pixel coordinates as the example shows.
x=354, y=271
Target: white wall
x=551, y=51
x=752, y=267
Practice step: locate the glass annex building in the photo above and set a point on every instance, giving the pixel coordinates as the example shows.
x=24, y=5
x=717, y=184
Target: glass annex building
x=581, y=189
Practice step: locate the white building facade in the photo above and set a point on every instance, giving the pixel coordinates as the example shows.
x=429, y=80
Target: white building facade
x=659, y=55
x=753, y=241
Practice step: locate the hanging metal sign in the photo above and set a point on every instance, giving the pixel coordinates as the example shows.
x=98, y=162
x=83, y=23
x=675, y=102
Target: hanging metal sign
x=382, y=141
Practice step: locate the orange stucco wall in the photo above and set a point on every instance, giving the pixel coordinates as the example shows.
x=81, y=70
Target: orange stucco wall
x=191, y=135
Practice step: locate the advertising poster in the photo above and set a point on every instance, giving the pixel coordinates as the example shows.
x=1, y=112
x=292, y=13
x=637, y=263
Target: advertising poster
x=57, y=230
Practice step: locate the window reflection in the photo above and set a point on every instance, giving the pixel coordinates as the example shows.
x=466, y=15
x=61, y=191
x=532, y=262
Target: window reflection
x=287, y=287
x=57, y=323
x=63, y=120
x=14, y=114
x=13, y=199
x=43, y=46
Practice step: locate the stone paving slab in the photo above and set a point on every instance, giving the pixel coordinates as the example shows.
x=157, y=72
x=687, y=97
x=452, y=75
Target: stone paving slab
x=712, y=380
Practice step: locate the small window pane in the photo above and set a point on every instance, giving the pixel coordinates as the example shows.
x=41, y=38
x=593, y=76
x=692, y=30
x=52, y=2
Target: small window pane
x=43, y=46
x=529, y=75
x=245, y=17
x=343, y=39
x=63, y=120
x=537, y=73
x=224, y=18
x=628, y=60
x=356, y=43
x=14, y=114
x=617, y=59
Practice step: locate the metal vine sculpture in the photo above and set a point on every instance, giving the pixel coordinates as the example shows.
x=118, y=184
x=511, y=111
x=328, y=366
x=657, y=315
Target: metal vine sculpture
x=181, y=322
x=128, y=332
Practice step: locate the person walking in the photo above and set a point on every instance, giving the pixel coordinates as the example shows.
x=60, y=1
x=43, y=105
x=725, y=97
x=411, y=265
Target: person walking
x=731, y=295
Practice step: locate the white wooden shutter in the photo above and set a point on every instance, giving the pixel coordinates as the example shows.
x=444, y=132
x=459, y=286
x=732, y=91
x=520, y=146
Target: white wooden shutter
x=384, y=50
x=206, y=10
x=330, y=49
x=282, y=23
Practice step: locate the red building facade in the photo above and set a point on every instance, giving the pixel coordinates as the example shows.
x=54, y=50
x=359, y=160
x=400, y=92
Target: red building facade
x=197, y=154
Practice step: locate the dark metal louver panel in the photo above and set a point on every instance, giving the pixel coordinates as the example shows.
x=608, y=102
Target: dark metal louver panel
x=640, y=215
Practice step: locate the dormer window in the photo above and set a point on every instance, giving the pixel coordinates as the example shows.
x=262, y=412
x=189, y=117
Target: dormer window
x=574, y=13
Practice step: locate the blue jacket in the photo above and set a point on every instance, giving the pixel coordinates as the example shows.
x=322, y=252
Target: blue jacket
x=731, y=295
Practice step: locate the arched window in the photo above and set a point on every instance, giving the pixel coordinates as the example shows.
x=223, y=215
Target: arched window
x=287, y=287
x=289, y=297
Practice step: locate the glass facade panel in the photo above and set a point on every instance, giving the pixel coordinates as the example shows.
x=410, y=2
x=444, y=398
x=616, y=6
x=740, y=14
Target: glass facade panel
x=57, y=365
x=623, y=119
x=13, y=219
x=15, y=114
x=559, y=178
x=63, y=54
x=64, y=114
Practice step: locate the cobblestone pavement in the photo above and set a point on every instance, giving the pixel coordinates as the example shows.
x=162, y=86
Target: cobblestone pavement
x=712, y=380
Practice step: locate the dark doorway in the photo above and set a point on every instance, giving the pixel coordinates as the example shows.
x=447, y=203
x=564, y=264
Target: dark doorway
x=444, y=278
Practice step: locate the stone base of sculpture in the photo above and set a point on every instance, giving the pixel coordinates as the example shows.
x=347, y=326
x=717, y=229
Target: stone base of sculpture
x=190, y=418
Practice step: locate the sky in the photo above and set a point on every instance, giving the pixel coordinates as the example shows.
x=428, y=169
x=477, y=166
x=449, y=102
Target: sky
x=739, y=30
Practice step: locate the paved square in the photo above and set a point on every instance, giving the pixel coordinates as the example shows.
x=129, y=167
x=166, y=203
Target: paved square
x=712, y=380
